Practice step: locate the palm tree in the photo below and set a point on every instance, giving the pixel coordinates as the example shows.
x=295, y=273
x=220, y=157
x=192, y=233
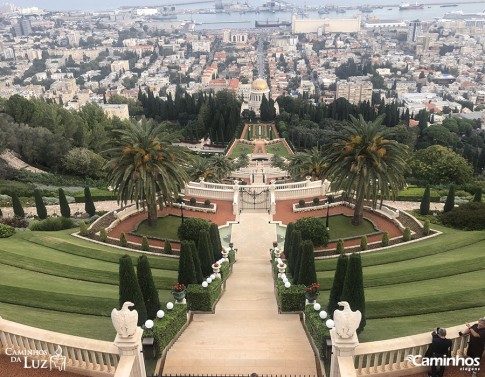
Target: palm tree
x=143, y=163
x=311, y=163
x=362, y=160
x=201, y=167
x=222, y=166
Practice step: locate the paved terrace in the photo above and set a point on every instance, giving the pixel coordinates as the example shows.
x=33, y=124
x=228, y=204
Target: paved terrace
x=246, y=334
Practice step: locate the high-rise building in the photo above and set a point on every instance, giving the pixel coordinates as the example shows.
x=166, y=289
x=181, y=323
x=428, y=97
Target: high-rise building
x=414, y=30
x=22, y=28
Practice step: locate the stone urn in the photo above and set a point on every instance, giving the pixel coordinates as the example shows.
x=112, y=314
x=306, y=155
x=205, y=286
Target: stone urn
x=281, y=269
x=216, y=268
x=225, y=255
x=179, y=296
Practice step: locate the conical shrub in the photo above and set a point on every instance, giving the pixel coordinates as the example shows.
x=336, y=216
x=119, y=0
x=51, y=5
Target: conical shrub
x=195, y=256
x=88, y=202
x=307, y=274
x=147, y=287
x=353, y=291
x=295, y=244
x=144, y=244
x=167, y=248
x=288, y=236
x=340, y=247
x=65, y=210
x=385, y=239
x=215, y=238
x=129, y=289
x=450, y=200
x=40, y=205
x=186, y=271
x=338, y=284
x=296, y=274
x=425, y=202
x=18, y=210
x=205, y=253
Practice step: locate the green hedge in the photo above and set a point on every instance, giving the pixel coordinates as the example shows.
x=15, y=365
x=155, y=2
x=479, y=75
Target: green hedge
x=166, y=328
x=96, y=198
x=52, y=224
x=203, y=299
x=468, y=216
x=290, y=299
x=316, y=328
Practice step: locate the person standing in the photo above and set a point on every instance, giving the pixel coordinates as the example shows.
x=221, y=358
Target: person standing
x=476, y=343
x=438, y=350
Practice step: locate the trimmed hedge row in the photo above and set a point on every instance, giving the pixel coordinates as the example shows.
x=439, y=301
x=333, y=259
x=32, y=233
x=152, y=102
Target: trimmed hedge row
x=96, y=198
x=203, y=299
x=52, y=224
x=6, y=231
x=289, y=299
x=166, y=328
x=317, y=329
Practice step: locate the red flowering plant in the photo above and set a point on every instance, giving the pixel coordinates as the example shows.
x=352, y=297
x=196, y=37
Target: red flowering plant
x=281, y=265
x=178, y=287
x=313, y=288
x=215, y=265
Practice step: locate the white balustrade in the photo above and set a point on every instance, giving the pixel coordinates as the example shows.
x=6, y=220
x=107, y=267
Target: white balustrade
x=82, y=355
x=390, y=357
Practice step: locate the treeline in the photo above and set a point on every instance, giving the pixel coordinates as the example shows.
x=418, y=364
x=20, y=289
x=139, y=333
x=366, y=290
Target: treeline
x=202, y=115
x=307, y=125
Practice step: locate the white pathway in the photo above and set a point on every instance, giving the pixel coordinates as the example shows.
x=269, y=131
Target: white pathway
x=246, y=334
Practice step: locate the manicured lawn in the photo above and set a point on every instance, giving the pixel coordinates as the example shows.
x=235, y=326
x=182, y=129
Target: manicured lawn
x=62, y=278
x=241, y=149
x=166, y=228
x=278, y=149
x=341, y=227
x=417, y=192
x=417, y=287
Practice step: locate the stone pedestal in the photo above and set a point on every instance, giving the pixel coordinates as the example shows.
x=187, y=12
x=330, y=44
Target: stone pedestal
x=132, y=346
x=341, y=347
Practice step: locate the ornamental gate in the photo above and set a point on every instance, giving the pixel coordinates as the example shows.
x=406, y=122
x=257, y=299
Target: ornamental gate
x=254, y=198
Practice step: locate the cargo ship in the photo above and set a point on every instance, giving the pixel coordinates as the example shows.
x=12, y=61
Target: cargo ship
x=408, y=6
x=448, y=5
x=268, y=23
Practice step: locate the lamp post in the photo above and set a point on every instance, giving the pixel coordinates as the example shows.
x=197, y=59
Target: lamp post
x=329, y=201
x=181, y=202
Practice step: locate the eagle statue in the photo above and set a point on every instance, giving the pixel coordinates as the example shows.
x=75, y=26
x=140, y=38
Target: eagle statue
x=346, y=321
x=125, y=320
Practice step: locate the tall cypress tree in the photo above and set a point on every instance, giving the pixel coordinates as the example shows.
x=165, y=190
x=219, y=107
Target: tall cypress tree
x=296, y=273
x=40, y=205
x=295, y=244
x=195, y=257
x=338, y=284
x=425, y=201
x=307, y=274
x=215, y=241
x=147, y=286
x=18, y=210
x=204, y=251
x=186, y=272
x=65, y=210
x=450, y=200
x=88, y=202
x=353, y=291
x=129, y=289
x=288, y=235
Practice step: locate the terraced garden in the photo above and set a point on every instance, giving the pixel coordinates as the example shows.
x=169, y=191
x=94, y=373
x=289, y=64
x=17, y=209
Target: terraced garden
x=417, y=287
x=59, y=282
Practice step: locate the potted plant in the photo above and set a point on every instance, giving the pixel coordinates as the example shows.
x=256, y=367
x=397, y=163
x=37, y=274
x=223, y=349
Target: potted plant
x=277, y=253
x=225, y=254
x=178, y=291
x=281, y=268
x=275, y=243
x=216, y=267
x=311, y=292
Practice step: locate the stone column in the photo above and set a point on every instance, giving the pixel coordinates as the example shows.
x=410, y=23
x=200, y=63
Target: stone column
x=132, y=346
x=341, y=347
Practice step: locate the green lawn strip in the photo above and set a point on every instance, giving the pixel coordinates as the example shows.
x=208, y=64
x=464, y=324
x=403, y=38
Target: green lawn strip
x=166, y=228
x=398, y=273
x=111, y=255
x=89, y=326
x=388, y=328
x=38, y=281
x=163, y=279
x=341, y=227
x=450, y=240
x=62, y=302
x=277, y=149
x=241, y=149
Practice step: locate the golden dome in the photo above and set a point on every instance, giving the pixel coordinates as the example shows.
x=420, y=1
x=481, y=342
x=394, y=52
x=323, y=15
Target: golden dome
x=259, y=84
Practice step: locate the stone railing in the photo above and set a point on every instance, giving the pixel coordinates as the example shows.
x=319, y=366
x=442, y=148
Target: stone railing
x=390, y=357
x=203, y=192
x=83, y=356
x=298, y=193
x=211, y=208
